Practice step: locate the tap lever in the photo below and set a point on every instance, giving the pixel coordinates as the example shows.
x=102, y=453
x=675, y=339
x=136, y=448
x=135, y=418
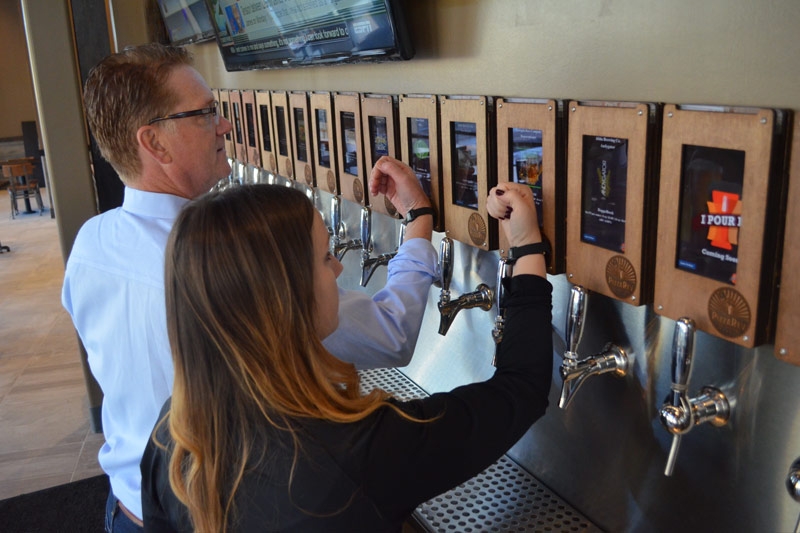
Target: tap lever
x=682, y=352
x=445, y=268
x=574, y=370
x=336, y=218
x=339, y=245
x=680, y=413
x=366, y=231
x=576, y=316
x=504, y=269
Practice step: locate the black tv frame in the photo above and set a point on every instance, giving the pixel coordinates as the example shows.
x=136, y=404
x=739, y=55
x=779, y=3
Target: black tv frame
x=195, y=37
x=309, y=44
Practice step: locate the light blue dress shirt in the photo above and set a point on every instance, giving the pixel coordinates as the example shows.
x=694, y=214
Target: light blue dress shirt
x=114, y=291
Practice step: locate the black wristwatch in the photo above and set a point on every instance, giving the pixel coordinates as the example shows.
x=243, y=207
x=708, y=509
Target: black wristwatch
x=516, y=252
x=414, y=214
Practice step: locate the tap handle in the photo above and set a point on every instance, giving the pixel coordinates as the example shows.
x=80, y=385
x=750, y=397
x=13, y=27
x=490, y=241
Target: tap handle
x=366, y=230
x=576, y=316
x=682, y=352
x=503, y=271
x=446, y=263
x=402, y=236
x=336, y=216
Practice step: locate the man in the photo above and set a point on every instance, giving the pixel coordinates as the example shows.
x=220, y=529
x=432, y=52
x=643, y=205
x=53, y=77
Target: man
x=156, y=121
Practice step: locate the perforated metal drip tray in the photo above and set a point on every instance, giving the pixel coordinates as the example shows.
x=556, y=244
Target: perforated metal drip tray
x=504, y=497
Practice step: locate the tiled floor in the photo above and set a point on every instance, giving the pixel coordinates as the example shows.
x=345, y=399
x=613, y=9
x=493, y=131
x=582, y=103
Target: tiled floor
x=45, y=435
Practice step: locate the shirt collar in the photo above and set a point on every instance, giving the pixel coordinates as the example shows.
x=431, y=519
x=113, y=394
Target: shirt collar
x=152, y=204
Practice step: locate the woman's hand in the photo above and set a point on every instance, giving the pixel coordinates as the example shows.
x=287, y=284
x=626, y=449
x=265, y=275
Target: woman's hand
x=513, y=206
x=398, y=182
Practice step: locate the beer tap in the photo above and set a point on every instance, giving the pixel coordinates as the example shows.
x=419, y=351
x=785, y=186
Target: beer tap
x=574, y=370
x=339, y=246
x=680, y=413
x=369, y=264
x=504, y=269
x=481, y=297
x=793, y=486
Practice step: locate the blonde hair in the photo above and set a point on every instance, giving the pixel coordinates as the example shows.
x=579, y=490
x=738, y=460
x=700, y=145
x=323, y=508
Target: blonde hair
x=240, y=315
x=122, y=93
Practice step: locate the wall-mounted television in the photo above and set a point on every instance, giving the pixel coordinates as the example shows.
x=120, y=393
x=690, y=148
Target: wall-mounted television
x=261, y=34
x=186, y=21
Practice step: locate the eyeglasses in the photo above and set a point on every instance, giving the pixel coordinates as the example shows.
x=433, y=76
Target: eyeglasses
x=194, y=113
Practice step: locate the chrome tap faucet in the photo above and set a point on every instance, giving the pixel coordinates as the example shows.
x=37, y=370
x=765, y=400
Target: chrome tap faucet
x=793, y=486
x=680, y=413
x=574, y=370
x=369, y=264
x=339, y=246
x=504, y=270
x=448, y=309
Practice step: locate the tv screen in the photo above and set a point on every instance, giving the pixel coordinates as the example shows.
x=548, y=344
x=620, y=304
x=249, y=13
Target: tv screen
x=259, y=34
x=186, y=21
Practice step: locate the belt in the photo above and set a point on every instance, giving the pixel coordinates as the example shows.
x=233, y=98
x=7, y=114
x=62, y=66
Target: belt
x=129, y=514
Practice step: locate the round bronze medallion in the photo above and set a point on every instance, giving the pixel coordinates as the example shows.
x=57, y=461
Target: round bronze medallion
x=358, y=191
x=477, y=229
x=289, y=171
x=331, y=182
x=621, y=276
x=272, y=162
x=389, y=207
x=729, y=312
x=309, y=178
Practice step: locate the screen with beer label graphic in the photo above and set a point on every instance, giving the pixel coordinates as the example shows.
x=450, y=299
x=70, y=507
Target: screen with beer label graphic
x=300, y=134
x=347, y=121
x=283, y=140
x=605, y=186
x=526, y=162
x=710, y=212
x=227, y=114
x=378, y=138
x=266, y=138
x=237, y=124
x=465, y=164
x=252, y=141
x=324, y=144
x=420, y=150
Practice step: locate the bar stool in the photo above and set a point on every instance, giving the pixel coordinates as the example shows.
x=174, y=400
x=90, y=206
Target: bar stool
x=22, y=185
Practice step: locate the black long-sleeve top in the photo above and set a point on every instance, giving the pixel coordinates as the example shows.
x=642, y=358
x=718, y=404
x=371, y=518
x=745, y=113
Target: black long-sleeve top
x=370, y=475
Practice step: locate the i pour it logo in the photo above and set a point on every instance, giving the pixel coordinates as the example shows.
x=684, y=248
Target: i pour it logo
x=723, y=219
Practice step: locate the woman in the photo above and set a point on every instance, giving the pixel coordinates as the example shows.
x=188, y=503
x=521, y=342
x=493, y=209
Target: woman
x=266, y=430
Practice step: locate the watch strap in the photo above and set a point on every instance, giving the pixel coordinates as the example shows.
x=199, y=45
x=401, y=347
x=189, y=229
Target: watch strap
x=529, y=249
x=413, y=214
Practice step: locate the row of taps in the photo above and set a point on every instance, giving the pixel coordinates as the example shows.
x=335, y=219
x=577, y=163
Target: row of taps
x=678, y=414
x=340, y=245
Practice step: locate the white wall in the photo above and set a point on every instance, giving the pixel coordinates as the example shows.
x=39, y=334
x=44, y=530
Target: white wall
x=727, y=52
